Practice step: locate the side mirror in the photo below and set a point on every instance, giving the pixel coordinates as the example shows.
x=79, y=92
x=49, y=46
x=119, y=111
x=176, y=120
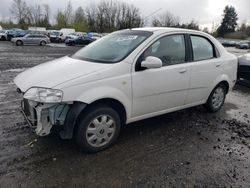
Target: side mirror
x=151, y=62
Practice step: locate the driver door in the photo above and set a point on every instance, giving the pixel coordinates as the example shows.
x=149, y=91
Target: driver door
x=159, y=90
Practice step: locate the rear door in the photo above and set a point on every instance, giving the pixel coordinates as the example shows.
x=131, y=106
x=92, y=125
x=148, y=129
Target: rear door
x=206, y=67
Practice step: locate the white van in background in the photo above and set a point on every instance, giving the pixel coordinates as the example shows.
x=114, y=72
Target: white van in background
x=41, y=29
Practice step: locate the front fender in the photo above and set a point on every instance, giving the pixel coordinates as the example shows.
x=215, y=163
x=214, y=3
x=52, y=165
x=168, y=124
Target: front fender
x=98, y=93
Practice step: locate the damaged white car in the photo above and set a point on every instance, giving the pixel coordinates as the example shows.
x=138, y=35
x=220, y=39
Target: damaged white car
x=124, y=77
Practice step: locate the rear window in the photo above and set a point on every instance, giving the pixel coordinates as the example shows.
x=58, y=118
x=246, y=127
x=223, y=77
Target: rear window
x=202, y=48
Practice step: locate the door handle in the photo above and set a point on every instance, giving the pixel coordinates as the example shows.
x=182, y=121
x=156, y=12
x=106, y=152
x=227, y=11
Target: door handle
x=218, y=65
x=182, y=71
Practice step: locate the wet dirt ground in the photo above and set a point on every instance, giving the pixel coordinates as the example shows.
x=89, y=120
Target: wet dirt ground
x=189, y=148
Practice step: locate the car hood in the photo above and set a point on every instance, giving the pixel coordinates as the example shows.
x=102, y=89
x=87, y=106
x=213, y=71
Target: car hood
x=54, y=36
x=17, y=38
x=53, y=73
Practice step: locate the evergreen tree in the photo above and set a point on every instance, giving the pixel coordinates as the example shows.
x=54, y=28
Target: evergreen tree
x=229, y=21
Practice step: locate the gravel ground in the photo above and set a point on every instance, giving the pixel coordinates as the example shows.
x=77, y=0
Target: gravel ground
x=189, y=148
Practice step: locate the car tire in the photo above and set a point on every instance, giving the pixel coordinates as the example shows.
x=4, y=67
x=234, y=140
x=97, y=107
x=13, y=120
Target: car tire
x=42, y=43
x=19, y=43
x=216, y=98
x=3, y=38
x=97, y=129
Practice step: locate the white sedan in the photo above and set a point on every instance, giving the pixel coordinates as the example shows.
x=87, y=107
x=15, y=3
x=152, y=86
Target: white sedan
x=124, y=77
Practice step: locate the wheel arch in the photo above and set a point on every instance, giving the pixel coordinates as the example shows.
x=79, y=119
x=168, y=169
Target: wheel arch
x=78, y=108
x=224, y=82
x=42, y=42
x=19, y=40
x=115, y=104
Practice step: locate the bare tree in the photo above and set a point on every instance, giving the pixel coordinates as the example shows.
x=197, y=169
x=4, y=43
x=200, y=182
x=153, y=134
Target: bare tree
x=91, y=17
x=166, y=19
x=19, y=10
x=36, y=14
x=68, y=14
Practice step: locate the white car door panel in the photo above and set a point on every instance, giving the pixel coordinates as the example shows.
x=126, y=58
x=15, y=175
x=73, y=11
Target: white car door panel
x=203, y=72
x=160, y=89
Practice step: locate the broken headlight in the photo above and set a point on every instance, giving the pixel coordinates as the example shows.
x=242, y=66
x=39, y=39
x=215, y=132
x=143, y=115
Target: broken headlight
x=45, y=95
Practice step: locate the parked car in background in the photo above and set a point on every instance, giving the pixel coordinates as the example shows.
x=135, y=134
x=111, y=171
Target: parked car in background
x=3, y=34
x=243, y=45
x=228, y=43
x=126, y=76
x=65, y=32
x=13, y=33
x=75, y=35
x=56, y=36
x=34, y=39
x=93, y=35
x=79, y=40
x=244, y=66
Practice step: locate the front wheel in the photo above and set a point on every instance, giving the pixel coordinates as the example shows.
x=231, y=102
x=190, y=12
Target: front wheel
x=3, y=38
x=216, y=98
x=19, y=43
x=97, y=129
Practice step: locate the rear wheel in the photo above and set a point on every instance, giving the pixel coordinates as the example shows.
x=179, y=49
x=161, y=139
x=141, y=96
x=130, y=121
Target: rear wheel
x=43, y=43
x=98, y=128
x=216, y=98
x=19, y=43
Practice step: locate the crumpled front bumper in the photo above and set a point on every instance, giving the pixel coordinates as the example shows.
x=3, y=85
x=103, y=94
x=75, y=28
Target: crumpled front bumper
x=42, y=116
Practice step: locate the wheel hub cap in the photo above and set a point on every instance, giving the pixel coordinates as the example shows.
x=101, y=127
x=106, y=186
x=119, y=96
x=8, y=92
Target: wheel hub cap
x=218, y=97
x=100, y=131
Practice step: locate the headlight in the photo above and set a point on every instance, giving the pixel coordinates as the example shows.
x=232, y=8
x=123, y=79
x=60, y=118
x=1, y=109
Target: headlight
x=44, y=95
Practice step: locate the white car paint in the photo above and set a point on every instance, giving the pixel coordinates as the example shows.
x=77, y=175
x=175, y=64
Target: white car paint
x=144, y=94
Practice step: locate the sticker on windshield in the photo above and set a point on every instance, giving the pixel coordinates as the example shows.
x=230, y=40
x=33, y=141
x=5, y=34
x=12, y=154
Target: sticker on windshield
x=126, y=37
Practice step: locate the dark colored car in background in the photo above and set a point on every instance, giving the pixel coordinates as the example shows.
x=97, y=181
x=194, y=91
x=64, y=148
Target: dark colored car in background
x=227, y=43
x=81, y=40
x=243, y=45
x=13, y=33
x=244, y=67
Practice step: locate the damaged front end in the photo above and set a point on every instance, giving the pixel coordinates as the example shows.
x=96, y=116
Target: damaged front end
x=43, y=116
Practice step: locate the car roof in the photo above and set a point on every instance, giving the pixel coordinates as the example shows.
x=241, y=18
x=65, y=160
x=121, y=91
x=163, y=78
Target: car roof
x=165, y=29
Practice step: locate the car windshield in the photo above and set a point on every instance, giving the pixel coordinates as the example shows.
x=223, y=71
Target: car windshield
x=112, y=48
x=2, y=31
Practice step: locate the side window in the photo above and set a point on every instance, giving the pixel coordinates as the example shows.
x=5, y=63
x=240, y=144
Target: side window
x=202, y=48
x=170, y=49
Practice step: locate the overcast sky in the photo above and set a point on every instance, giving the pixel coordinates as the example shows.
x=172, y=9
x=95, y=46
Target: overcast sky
x=205, y=12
